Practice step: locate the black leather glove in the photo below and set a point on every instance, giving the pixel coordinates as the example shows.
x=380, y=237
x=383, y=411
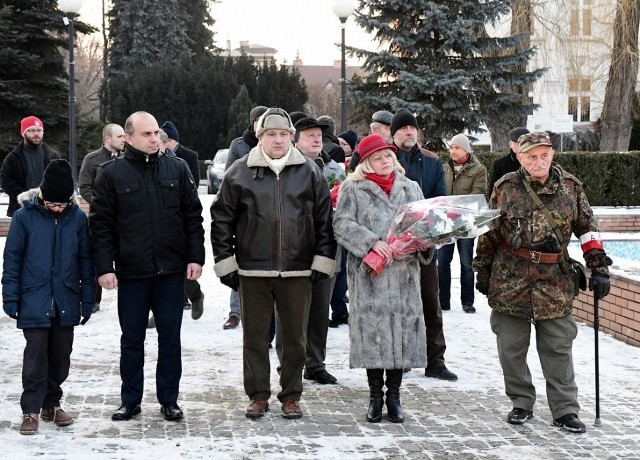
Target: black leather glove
x=483, y=287
x=318, y=277
x=231, y=280
x=599, y=283
x=86, y=310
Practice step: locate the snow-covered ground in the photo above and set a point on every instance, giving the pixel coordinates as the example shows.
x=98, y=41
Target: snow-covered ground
x=463, y=419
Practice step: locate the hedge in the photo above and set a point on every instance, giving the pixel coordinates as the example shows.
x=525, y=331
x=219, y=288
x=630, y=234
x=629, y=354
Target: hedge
x=609, y=178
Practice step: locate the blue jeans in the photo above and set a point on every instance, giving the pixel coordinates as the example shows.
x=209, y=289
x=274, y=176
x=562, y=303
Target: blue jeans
x=234, y=304
x=445, y=256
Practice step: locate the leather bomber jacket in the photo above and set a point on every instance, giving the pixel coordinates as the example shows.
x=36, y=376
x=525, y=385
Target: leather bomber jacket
x=273, y=225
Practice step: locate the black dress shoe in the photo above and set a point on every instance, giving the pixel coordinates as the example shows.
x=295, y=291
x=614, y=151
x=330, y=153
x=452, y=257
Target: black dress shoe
x=171, y=411
x=441, y=373
x=338, y=320
x=518, y=416
x=321, y=376
x=126, y=412
x=571, y=422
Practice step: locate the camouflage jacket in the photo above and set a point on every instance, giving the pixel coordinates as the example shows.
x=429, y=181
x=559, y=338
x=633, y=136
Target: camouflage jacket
x=518, y=286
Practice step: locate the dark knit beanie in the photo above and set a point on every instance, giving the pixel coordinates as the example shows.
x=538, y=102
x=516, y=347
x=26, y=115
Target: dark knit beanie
x=402, y=118
x=297, y=116
x=350, y=138
x=515, y=133
x=57, y=182
x=256, y=113
x=171, y=130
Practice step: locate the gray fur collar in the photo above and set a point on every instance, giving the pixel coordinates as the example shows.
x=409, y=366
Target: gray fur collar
x=27, y=196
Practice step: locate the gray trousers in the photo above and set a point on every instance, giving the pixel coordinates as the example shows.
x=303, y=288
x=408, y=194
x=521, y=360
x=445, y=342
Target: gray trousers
x=554, y=340
x=291, y=298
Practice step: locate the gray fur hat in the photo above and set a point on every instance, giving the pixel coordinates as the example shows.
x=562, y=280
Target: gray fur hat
x=274, y=118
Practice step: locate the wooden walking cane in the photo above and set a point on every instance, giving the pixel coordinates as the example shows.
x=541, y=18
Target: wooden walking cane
x=596, y=327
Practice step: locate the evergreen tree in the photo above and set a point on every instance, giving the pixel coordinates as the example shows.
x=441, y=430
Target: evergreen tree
x=277, y=87
x=198, y=24
x=438, y=62
x=145, y=32
x=33, y=74
x=197, y=96
x=239, y=110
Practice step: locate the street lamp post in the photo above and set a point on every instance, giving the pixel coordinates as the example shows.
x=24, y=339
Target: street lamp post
x=343, y=9
x=71, y=8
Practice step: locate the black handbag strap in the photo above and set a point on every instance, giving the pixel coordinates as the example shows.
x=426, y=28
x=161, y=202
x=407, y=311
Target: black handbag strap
x=547, y=214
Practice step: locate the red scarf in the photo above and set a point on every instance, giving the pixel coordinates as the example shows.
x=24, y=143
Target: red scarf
x=386, y=184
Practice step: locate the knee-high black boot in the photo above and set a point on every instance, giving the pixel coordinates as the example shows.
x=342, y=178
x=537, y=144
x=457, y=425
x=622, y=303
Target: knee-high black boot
x=394, y=408
x=376, y=381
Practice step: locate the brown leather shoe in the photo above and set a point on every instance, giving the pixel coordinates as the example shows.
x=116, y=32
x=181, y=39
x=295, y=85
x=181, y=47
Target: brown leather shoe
x=29, y=424
x=291, y=409
x=231, y=323
x=257, y=408
x=56, y=415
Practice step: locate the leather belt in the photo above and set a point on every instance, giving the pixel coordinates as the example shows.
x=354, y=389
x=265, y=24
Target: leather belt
x=535, y=256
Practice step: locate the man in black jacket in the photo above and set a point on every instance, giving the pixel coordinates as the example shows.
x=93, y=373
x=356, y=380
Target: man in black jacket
x=23, y=168
x=193, y=292
x=146, y=220
x=509, y=162
x=424, y=167
x=272, y=238
x=188, y=155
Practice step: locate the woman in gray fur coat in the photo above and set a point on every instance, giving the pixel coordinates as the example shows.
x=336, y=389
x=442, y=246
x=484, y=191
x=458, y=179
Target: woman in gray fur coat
x=386, y=324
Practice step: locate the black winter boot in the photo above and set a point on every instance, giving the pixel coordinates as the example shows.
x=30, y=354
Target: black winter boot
x=394, y=408
x=376, y=381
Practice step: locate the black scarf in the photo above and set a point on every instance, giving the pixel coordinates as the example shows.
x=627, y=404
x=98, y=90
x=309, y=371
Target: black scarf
x=249, y=137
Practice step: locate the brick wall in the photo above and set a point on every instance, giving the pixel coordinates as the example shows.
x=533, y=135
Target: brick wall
x=618, y=313
x=619, y=223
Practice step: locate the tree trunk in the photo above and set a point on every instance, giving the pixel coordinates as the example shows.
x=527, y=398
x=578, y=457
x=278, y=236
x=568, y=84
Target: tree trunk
x=615, y=126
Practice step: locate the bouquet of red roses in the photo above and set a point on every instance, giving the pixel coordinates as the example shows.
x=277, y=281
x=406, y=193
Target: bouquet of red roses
x=432, y=223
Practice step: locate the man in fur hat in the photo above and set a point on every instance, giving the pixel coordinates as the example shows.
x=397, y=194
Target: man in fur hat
x=272, y=237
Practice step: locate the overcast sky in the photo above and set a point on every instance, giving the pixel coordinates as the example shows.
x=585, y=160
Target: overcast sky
x=290, y=26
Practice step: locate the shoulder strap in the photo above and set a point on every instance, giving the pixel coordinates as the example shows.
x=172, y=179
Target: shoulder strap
x=548, y=215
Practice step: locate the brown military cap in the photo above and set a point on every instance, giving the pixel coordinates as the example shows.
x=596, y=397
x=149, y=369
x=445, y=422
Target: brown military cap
x=531, y=140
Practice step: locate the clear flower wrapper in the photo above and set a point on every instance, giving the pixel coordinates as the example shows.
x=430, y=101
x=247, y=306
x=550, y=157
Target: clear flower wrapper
x=432, y=223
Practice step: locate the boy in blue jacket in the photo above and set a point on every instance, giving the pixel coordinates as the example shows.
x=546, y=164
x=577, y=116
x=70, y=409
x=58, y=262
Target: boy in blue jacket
x=47, y=286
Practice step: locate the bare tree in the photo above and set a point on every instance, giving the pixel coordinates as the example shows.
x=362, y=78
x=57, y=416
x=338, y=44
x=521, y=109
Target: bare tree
x=89, y=73
x=615, y=126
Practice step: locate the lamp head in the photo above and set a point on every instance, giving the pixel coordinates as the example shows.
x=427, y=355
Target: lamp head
x=70, y=6
x=343, y=9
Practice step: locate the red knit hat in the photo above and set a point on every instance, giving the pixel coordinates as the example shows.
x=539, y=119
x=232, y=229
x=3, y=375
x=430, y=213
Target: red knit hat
x=30, y=122
x=372, y=144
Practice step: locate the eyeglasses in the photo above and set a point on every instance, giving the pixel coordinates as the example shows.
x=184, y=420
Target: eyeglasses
x=49, y=204
x=34, y=131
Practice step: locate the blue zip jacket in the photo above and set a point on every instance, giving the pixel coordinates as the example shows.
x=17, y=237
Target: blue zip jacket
x=426, y=171
x=47, y=268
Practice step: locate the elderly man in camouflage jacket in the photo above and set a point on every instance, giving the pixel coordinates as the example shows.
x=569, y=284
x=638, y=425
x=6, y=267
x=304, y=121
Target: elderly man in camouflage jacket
x=523, y=268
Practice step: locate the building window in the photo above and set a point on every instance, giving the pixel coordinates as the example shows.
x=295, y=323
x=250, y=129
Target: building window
x=579, y=98
x=580, y=18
